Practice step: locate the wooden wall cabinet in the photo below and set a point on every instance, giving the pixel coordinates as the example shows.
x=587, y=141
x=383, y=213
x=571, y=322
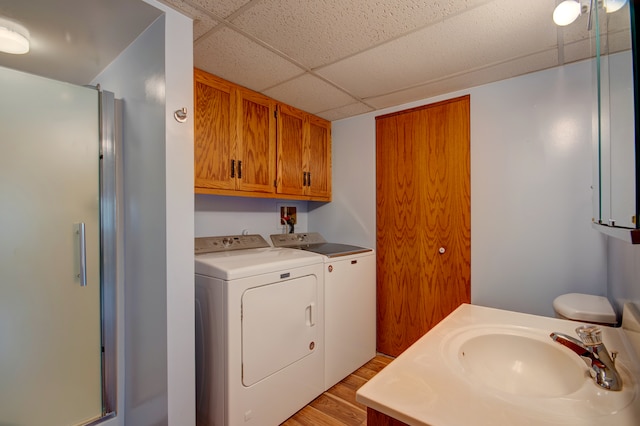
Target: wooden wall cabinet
x=235, y=139
x=242, y=147
x=304, y=154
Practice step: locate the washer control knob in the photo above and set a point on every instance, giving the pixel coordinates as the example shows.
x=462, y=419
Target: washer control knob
x=442, y=250
x=226, y=242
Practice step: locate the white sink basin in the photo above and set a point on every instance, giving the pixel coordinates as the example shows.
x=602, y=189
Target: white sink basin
x=485, y=367
x=520, y=365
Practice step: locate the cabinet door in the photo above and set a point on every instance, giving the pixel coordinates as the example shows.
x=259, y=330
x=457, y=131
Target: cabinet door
x=291, y=142
x=256, y=153
x=318, y=164
x=215, y=136
x=423, y=235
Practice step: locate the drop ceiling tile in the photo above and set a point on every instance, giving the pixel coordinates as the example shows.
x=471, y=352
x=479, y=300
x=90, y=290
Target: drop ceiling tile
x=501, y=33
x=310, y=94
x=620, y=41
x=578, y=51
x=611, y=23
x=201, y=25
x=576, y=31
x=224, y=9
x=618, y=27
x=619, y=20
x=230, y=55
x=323, y=31
x=201, y=21
x=465, y=81
x=345, y=111
x=609, y=43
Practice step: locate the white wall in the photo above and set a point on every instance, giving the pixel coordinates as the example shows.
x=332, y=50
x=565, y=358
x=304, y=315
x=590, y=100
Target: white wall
x=531, y=191
x=531, y=208
x=179, y=174
x=223, y=215
x=156, y=369
x=351, y=217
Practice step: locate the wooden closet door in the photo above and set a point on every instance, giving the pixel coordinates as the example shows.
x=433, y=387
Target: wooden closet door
x=423, y=220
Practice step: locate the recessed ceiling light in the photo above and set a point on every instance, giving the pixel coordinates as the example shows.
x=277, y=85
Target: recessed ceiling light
x=14, y=38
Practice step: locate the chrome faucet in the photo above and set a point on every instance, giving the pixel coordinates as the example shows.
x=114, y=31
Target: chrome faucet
x=595, y=354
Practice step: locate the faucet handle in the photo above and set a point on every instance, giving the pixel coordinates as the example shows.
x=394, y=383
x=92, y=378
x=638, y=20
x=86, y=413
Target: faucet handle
x=591, y=335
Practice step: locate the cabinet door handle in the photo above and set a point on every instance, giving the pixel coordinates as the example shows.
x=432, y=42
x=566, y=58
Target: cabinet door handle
x=308, y=178
x=304, y=178
x=233, y=168
x=239, y=169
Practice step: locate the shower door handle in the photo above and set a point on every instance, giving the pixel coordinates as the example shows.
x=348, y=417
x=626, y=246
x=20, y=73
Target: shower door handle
x=82, y=253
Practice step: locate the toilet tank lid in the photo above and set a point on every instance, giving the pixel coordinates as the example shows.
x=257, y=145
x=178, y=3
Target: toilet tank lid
x=585, y=307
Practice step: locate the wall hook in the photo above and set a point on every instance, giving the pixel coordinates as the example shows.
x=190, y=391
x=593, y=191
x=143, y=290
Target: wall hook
x=180, y=115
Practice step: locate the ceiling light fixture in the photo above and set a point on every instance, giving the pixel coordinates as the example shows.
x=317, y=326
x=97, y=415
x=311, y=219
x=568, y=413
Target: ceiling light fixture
x=14, y=38
x=614, y=5
x=567, y=12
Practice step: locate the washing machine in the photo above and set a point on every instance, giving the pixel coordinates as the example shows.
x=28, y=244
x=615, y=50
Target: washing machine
x=259, y=331
x=350, y=301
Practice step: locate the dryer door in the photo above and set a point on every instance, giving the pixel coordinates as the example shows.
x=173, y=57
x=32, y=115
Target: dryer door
x=278, y=326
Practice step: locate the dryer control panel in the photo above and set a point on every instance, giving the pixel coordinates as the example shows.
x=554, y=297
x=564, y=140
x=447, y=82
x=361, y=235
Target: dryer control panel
x=228, y=243
x=296, y=240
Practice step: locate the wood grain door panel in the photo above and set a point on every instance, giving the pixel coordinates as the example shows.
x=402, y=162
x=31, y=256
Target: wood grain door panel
x=215, y=137
x=423, y=205
x=256, y=150
x=318, y=163
x=291, y=143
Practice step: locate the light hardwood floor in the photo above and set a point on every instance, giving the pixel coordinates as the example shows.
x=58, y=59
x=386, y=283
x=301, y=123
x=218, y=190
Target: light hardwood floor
x=338, y=406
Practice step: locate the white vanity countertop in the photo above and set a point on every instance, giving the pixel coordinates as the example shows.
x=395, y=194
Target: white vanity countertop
x=428, y=385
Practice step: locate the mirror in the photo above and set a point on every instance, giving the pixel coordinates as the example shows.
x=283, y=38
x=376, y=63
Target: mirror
x=615, y=141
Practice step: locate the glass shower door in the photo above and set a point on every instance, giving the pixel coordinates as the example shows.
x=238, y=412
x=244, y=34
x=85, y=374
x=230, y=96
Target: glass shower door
x=50, y=343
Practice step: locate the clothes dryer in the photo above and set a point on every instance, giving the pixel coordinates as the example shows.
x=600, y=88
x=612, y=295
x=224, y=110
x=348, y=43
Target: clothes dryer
x=259, y=331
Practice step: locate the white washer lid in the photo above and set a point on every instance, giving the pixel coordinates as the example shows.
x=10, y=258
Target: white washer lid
x=585, y=307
